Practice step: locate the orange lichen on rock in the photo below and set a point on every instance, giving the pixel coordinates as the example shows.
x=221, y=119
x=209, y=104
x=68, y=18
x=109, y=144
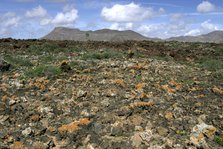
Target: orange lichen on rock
x=132, y=71
x=137, y=67
x=35, y=117
x=119, y=82
x=84, y=121
x=169, y=116
x=74, y=126
x=85, y=78
x=143, y=95
x=40, y=83
x=141, y=104
x=171, y=87
x=177, y=86
x=197, y=139
x=51, y=129
x=4, y=87
x=167, y=88
x=5, y=98
x=87, y=70
x=16, y=145
x=140, y=86
x=200, y=96
x=218, y=90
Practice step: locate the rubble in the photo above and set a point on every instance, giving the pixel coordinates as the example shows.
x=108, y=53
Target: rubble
x=110, y=98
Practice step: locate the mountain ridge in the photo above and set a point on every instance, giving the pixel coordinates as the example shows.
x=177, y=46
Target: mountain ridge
x=214, y=36
x=64, y=33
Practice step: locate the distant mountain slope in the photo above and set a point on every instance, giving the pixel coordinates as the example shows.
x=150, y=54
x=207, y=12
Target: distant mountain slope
x=215, y=36
x=62, y=33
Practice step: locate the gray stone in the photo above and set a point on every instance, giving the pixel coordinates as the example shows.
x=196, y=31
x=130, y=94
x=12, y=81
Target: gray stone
x=81, y=93
x=105, y=102
x=116, y=131
x=199, y=134
x=27, y=131
x=162, y=131
x=136, y=140
x=97, y=128
x=12, y=102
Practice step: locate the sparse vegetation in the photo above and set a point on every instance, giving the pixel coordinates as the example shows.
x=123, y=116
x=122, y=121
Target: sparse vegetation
x=219, y=140
x=43, y=70
x=77, y=88
x=211, y=64
x=102, y=55
x=44, y=48
x=18, y=61
x=214, y=65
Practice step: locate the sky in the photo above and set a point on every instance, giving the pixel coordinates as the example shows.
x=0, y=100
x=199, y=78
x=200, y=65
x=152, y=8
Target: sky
x=24, y=19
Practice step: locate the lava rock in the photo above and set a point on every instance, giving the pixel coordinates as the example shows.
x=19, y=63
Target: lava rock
x=65, y=67
x=4, y=66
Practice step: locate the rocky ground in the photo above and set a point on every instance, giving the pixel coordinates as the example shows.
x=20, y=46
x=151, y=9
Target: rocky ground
x=99, y=95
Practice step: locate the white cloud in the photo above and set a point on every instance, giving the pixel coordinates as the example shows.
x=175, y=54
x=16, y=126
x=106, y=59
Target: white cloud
x=129, y=25
x=57, y=1
x=153, y=30
x=193, y=32
x=126, y=13
x=176, y=16
x=36, y=12
x=25, y=1
x=35, y=23
x=12, y=21
x=9, y=19
x=207, y=25
x=162, y=11
x=8, y=22
x=206, y=6
x=45, y=21
x=65, y=18
x=203, y=28
x=148, y=28
x=121, y=26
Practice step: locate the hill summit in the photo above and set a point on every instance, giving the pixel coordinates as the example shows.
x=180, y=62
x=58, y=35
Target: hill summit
x=63, y=33
x=215, y=36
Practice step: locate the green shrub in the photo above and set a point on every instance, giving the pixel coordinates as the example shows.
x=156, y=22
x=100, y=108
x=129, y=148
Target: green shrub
x=47, y=58
x=139, y=77
x=34, y=49
x=219, y=74
x=218, y=140
x=78, y=65
x=44, y=48
x=102, y=55
x=211, y=64
x=219, y=50
x=61, y=58
x=214, y=65
x=43, y=70
x=18, y=61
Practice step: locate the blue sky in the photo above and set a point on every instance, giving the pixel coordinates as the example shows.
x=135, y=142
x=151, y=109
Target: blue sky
x=153, y=18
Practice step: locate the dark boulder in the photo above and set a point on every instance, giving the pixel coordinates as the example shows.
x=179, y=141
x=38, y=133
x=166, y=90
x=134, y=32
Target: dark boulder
x=65, y=67
x=4, y=66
